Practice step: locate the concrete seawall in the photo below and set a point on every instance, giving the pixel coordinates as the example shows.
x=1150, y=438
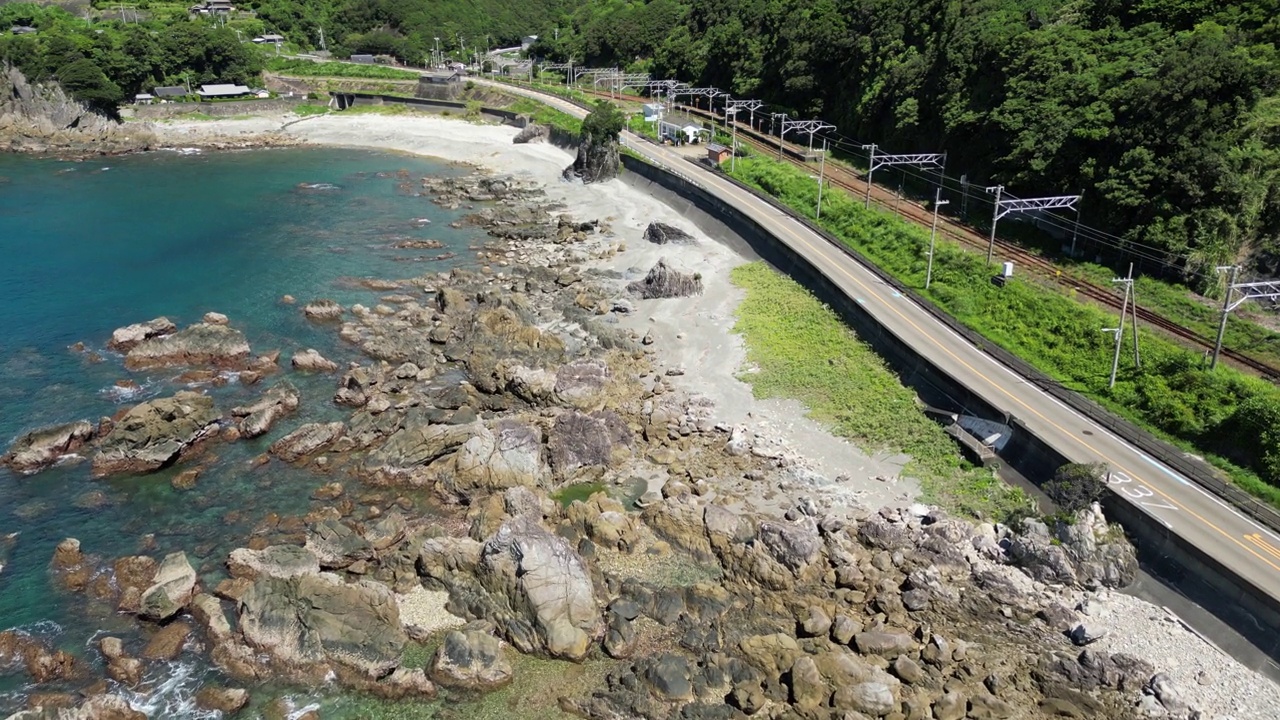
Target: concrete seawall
x=1185, y=569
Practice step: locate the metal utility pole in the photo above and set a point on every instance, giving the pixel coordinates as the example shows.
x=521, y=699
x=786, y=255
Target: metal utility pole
x=938, y=202
x=1004, y=206
x=822, y=176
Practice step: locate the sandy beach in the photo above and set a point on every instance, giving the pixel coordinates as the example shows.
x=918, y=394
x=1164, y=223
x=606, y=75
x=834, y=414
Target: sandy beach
x=693, y=337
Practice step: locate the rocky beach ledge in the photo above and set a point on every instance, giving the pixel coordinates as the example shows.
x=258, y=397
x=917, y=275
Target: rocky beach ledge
x=605, y=491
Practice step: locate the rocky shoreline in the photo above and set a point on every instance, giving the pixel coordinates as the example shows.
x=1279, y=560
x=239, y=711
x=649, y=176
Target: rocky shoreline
x=497, y=390
x=704, y=565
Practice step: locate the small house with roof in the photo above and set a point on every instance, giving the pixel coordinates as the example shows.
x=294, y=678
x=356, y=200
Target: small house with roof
x=222, y=92
x=22, y=30
x=682, y=129
x=169, y=93
x=143, y=99
x=269, y=38
x=718, y=153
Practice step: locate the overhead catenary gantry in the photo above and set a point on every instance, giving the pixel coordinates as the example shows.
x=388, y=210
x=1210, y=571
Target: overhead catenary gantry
x=1258, y=290
x=1004, y=206
x=807, y=126
x=916, y=159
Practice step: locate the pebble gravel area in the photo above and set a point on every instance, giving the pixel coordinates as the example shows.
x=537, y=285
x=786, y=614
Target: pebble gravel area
x=424, y=609
x=1209, y=679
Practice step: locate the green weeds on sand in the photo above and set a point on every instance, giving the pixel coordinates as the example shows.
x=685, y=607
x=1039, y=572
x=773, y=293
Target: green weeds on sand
x=801, y=349
x=1205, y=412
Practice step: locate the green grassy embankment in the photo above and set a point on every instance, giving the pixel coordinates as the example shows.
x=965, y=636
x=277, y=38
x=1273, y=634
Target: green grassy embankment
x=801, y=349
x=1228, y=417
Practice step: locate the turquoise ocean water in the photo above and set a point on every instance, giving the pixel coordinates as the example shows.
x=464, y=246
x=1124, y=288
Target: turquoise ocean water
x=86, y=247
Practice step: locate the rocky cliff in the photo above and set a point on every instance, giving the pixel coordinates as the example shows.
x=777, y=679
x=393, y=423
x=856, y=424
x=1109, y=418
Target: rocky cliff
x=43, y=118
x=597, y=161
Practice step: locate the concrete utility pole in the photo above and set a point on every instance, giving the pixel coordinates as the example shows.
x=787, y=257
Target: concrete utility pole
x=822, y=170
x=1119, y=329
x=1075, y=230
x=781, y=129
x=1004, y=206
x=1226, y=308
x=938, y=202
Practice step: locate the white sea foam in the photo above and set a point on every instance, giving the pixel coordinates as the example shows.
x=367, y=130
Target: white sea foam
x=171, y=692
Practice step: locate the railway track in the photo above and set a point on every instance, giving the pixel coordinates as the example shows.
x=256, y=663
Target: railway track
x=970, y=236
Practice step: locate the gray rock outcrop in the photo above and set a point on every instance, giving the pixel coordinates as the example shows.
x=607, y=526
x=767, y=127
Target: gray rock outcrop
x=318, y=618
x=201, y=344
x=41, y=448
x=545, y=581
x=172, y=589
x=306, y=440
x=664, y=281
x=43, y=118
x=258, y=418
x=124, y=339
x=471, y=660
x=662, y=234
x=155, y=434
x=597, y=161
x=1087, y=552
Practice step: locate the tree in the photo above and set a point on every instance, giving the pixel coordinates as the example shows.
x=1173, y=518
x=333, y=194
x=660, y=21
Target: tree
x=86, y=82
x=604, y=123
x=1077, y=486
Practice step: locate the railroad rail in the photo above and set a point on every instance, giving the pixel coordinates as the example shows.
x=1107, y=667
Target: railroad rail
x=970, y=236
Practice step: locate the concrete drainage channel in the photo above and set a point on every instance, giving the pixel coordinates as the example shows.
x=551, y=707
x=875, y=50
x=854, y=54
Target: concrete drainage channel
x=1242, y=621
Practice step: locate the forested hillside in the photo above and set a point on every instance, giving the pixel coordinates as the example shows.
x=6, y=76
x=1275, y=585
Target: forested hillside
x=1164, y=111
x=102, y=57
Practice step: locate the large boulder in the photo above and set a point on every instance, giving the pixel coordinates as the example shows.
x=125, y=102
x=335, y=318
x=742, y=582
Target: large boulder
x=278, y=561
x=578, y=440
x=662, y=234
x=173, y=587
x=416, y=445
x=1087, y=551
x=258, y=418
x=544, y=580
x=41, y=448
x=200, y=344
x=311, y=360
x=335, y=545
x=313, y=619
x=665, y=281
x=156, y=433
x=124, y=339
x=308, y=439
x=507, y=455
x=471, y=660
x=597, y=160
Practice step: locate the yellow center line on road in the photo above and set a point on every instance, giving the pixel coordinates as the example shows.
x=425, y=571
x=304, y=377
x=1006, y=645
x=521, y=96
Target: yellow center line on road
x=1256, y=539
x=745, y=200
x=733, y=190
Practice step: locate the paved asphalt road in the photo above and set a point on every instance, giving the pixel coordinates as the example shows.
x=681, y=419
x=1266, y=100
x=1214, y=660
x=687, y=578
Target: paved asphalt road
x=1243, y=546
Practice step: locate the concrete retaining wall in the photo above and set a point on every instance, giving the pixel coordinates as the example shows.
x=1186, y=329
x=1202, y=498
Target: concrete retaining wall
x=217, y=109
x=1183, y=567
